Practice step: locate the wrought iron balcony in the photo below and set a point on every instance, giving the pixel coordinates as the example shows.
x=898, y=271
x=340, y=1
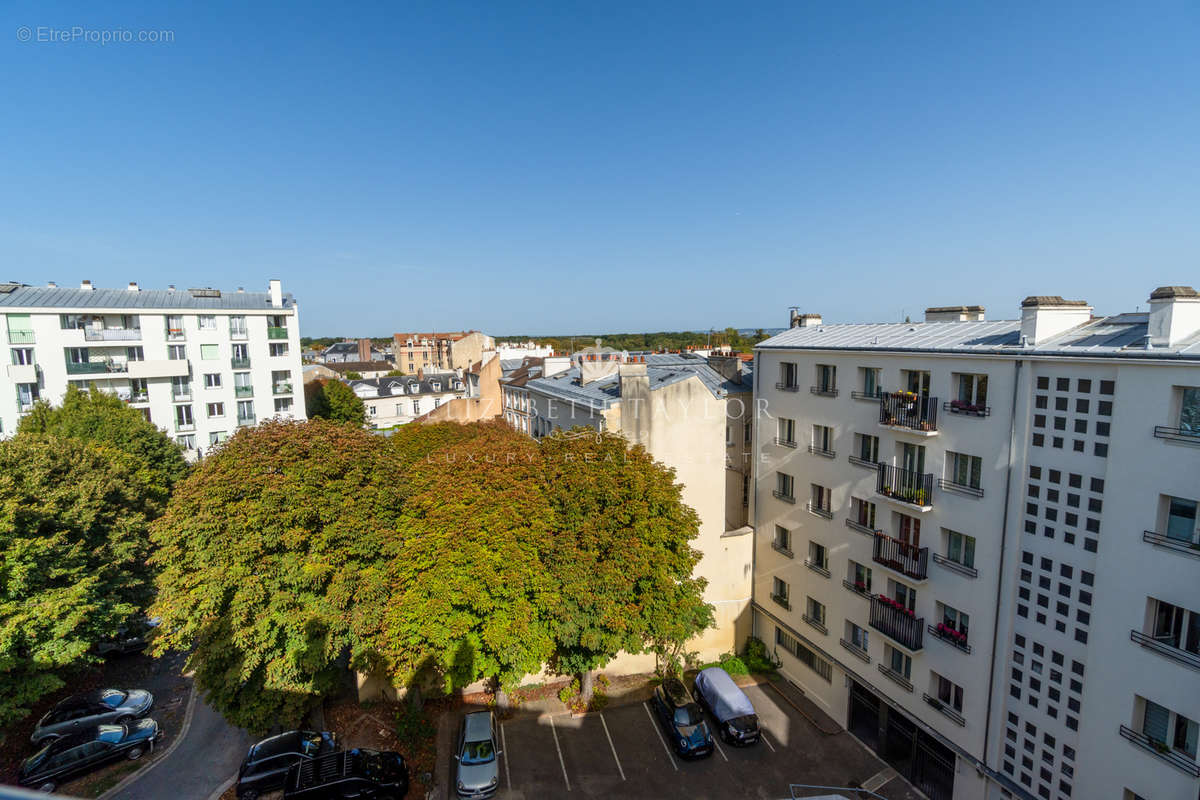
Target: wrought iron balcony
x=181, y=395
x=185, y=427
x=855, y=525
x=1166, y=648
x=175, y=335
x=814, y=623
x=961, y=488
x=112, y=334
x=859, y=589
x=274, y=332
x=1187, y=435
x=823, y=391
x=782, y=601
x=1163, y=751
x=869, y=396
x=951, y=637
x=856, y=650
x=863, y=462
x=817, y=450
x=820, y=569
x=901, y=556
x=785, y=442
x=902, y=681
x=949, y=564
x=913, y=488
x=1178, y=545
x=138, y=397
x=820, y=512
x=778, y=548
x=901, y=626
x=953, y=715
x=917, y=412
x=236, y=332
x=967, y=409
x=783, y=386
x=787, y=498
x=282, y=388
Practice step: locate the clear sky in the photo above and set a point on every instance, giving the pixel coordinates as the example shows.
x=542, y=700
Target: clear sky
x=567, y=167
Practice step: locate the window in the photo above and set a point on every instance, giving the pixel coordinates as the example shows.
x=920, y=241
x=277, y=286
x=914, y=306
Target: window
x=857, y=636
x=970, y=390
x=821, y=499
x=1189, y=410
x=747, y=432
x=815, y=611
x=237, y=327
x=187, y=442
x=283, y=405
x=964, y=470
x=954, y=620
x=871, y=386
x=216, y=437
x=787, y=431
x=807, y=657
x=23, y=356
x=826, y=379
x=960, y=548
x=174, y=327
x=860, y=576
x=866, y=447
x=176, y=352
x=863, y=512
x=206, y=322
x=416, y=407
x=212, y=380
x=1181, y=519
x=948, y=692
x=779, y=592
x=899, y=663
x=216, y=409
x=783, y=540
x=818, y=556
x=1175, y=626
x=245, y=410
x=822, y=438
x=208, y=352
x=181, y=387
x=785, y=487
x=183, y=418
x=278, y=349
x=914, y=380
x=135, y=353
x=240, y=352
x=787, y=375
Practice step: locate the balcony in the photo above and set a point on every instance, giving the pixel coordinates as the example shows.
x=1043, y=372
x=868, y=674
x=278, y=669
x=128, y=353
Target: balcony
x=960, y=408
x=787, y=387
x=910, y=561
x=961, y=488
x=181, y=395
x=23, y=373
x=239, y=363
x=856, y=650
x=954, y=566
x=953, y=715
x=785, y=442
x=185, y=427
x=281, y=388
x=25, y=406
x=817, y=450
x=787, y=498
x=903, y=627
x=1184, y=546
x=112, y=334
x=950, y=636
x=899, y=679
x=815, y=624
x=858, y=587
x=908, y=412
x=912, y=489
x=820, y=512
x=20, y=337
x=138, y=397
x=243, y=391
x=1176, y=759
x=274, y=332
x=175, y=335
x=165, y=368
x=238, y=333
x=1186, y=435
x=823, y=391
x=96, y=367
x=863, y=462
x=1165, y=647
x=245, y=419
x=820, y=569
x=855, y=525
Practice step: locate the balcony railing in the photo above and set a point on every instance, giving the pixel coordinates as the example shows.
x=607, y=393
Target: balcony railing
x=778, y=548
x=1163, y=751
x=901, y=556
x=961, y=569
x=864, y=462
x=859, y=589
x=245, y=419
x=275, y=332
x=967, y=409
x=856, y=650
x=185, y=427
x=243, y=391
x=823, y=391
x=1187, y=435
x=870, y=396
x=95, y=367
x=1166, y=649
x=954, y=716
x=916, y=412
x=112, y=334
x=1178, y=545
x=787, y=498
x=961, y=488
x=815, y=623
x=819, y=511
x=238, y=333
x=181, y=395
x=820, y=569
x=239, y=363
x=175, y=334
x=890, y=673
x=817, y=450
x=138, y=397
x=25, y=406
x=781, y=601
x=855, y=525
x=785, y=442
x=914, y=488
x=951, y=637
x=282, y=388
x=902, y=626
x=20, y=337
x=787, y=387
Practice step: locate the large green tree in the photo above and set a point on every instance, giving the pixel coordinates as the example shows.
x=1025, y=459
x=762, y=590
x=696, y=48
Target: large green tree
x=622, y=557
x=103, y=417
x=334, y=400
x=264, y=552
x=73, y=546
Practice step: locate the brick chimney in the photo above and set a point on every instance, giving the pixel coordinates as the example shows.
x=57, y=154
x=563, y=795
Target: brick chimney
x=364, y=349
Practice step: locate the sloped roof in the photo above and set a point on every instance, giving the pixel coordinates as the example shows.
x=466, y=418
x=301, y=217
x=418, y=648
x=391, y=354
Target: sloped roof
x=22, y=296
x=606, y=391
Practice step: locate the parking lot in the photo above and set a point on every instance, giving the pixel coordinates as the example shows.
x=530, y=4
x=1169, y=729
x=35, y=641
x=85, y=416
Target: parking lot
x=622, y=752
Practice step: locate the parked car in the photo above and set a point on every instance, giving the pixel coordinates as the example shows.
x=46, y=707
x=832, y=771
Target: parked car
x=132, y=637
x=476, y=772
x=101, y=707
x=65, y=757
x=682, y=719
x=720, y=696
x=265, y=767
x=361, y=774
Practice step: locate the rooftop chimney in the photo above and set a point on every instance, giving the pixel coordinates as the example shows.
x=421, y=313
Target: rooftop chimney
x=51, y=285
x=86, y=286
x=553, y=365
x=1045, y=316
x=276, y=294
x=133, y=287
x=954, y=314
x=799, y=320
x=1174, y=314
x=170, y=287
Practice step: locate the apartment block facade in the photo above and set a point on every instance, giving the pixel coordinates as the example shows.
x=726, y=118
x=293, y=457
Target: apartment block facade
x=976, y=542
x=198, y=363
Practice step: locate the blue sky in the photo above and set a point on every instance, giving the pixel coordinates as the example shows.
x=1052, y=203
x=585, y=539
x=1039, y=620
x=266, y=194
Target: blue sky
x=571, y=167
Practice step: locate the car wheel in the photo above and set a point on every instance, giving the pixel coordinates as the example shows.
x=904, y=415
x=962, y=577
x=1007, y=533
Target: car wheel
x=124, y=720
x=47, y=787
x=249, y=794
x=135, y=754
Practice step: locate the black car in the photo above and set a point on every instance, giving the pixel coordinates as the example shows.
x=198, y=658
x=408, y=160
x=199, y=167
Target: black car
x=265, y=768
x=682, y=720
x=67, y=757
x=360, y=774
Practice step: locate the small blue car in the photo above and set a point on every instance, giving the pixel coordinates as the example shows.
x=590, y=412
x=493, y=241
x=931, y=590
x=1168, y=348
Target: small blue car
x=682, y=720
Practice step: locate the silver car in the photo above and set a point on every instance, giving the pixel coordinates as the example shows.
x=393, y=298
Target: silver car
x=101, y=707
x=477, y=771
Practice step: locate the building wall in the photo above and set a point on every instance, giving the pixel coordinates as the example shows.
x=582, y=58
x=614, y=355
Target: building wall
x=469, y=349
x=487, y=405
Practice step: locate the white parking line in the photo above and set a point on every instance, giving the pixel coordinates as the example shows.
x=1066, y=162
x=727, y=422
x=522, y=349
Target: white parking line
x=614, y=748
x=561, y=763
x=763, y=735
x=654, y=725
x=719, y=750
x=504, y=743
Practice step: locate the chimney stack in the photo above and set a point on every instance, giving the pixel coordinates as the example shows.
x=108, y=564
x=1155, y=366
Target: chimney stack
x=1045, y=316
x=133, y=287
x=86, y=286
x=1174, y=315
x=954, y=314
x=51, y=285
x=798, y=320
x=276, y=294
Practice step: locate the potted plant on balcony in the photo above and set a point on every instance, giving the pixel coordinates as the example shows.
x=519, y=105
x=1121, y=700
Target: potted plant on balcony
x=860, y=586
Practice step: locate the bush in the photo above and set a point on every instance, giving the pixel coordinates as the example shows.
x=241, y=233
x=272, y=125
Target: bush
x=756, y=657
x=730, y=663
x=413, y=728
x=569, y=692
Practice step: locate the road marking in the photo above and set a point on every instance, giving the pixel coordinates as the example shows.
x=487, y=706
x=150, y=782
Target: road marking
x=879, y=779
x=561, y=763
x=654, y=725
x=718, y=745
x=504, y=744
x=614, y=748
x=763, y=735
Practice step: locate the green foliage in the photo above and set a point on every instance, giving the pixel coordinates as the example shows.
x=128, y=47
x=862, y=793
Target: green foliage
x=395, y=373
x=662, y=340
x=413, y=727
x=73, y=546
x=353, y=376
x=730, y=663
x=569, y=691
x=265, y=555
x=334, y=400
x=757, y=658
x=622, y=557
x=104, y=418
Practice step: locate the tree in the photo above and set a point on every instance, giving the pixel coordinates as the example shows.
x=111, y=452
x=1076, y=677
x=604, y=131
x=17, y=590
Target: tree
x=104, y=418
x=622, y=557
x=73, y=546
x=353, y=376
x=395, y=373
x=266, y=554
x=334, y=400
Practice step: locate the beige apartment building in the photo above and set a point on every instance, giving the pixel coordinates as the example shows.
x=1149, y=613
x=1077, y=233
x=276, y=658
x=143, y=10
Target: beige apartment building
x=458, y=350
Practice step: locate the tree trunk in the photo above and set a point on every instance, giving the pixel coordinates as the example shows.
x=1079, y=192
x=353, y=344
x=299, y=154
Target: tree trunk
x=414, y=696
x=587, y=685
x=503, y=701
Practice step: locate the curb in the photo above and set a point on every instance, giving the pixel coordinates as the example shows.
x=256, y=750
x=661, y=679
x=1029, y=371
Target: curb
x=128, y=779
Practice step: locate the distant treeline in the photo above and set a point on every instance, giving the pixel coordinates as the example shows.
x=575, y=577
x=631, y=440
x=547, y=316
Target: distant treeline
x=663, y=340
x=321, y=342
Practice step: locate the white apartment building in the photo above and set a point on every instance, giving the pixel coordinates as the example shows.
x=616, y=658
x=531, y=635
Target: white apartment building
x=198, y=363
x=399, y=400
x=977, y=545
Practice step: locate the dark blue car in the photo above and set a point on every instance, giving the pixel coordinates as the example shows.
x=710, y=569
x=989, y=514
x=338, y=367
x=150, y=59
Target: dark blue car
x=682, y=720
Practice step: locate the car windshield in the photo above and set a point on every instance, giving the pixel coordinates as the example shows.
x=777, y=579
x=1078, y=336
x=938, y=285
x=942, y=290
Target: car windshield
x=112, y=697
x=478, y=752
x=111, y=733
x=687, y=715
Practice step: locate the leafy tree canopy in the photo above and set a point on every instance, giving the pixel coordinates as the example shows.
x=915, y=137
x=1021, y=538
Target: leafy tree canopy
x=73, y=547
x=353, y=376
x=335, y=401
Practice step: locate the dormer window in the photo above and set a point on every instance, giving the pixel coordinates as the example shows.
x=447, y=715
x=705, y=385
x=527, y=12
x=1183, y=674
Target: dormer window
x=436, y=386
x=414, y=388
